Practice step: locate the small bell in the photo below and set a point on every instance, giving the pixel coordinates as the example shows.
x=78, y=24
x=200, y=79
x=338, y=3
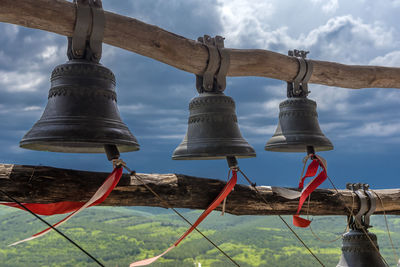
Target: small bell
x=298, y=128
x=358, y=251
x=213, y=131
x=81, y=115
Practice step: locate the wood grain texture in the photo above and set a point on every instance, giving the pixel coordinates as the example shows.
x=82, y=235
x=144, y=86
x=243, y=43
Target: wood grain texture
x=41, y=184
x=58, y=16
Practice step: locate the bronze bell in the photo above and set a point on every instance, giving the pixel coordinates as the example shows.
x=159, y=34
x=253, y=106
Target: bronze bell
x=213, y=131
x=298, y=128
x=81, y=115
x=358, y=251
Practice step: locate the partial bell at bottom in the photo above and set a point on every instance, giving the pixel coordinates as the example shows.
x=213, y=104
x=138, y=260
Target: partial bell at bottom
x=359, y=251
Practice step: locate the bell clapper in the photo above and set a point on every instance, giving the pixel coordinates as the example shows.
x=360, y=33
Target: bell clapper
x=311, y=152
x=111, y=152
x=232, y=163
x=114, y=156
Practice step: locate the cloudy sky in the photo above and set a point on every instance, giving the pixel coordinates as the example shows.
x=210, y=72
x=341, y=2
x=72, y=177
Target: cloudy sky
x=153, y=97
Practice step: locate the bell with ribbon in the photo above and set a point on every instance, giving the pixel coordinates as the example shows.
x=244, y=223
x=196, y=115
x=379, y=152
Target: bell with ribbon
x=213, y=130
x=298, y=127
x=298, y=131
x=81, y=115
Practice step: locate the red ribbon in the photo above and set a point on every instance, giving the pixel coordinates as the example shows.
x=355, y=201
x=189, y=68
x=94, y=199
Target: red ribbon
x=317, y=181
x=70, y=206
x=66, y=206
x=222, y=195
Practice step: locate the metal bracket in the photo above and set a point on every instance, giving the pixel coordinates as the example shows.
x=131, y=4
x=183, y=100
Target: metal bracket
x=372, y=204
x=87, y=39
x=362, y=219
x=214, y=77
x=299, y=86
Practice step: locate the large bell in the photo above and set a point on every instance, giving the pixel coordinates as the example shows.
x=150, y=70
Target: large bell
x=213, y=131
x=358, y=251
x=81, y=115
x=298, y=128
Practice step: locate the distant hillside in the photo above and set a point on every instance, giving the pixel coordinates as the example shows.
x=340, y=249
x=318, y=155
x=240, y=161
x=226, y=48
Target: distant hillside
x=118, y=236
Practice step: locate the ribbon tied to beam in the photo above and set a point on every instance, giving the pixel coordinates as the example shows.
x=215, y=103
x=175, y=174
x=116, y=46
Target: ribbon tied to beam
x=318, y=163
x=69, y=206
x=222, y=195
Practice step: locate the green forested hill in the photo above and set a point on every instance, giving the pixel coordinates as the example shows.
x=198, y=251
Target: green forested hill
x=118, y=236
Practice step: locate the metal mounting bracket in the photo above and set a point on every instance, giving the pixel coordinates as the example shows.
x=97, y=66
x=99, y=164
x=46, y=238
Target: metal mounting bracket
x=87, y=39
x=367, y=206
x=214, y=77
x=299, y=86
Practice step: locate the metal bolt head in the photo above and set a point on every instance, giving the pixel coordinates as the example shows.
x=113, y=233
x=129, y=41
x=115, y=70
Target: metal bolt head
x=349, y=186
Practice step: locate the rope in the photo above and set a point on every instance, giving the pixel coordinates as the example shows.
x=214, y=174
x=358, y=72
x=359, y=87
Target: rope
x=51, y=226
x=339, y=236
x=396, y=255
x=166, y=204
x=280, y=217
x=224, y=202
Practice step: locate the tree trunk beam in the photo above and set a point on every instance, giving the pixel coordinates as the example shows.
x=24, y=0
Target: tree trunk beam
x=40, y=184
x=58, y=16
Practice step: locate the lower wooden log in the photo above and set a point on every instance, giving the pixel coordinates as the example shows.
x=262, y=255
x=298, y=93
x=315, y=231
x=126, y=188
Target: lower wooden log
x=41, y=184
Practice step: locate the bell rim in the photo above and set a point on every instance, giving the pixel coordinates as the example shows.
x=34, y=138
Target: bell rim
x=77, y=146
x=281, y=148
x=200, y=156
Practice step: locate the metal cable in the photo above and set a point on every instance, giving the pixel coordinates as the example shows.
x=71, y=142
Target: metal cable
x=52, y=227
x=166, y=204
x=280, y=217
x=323, y=240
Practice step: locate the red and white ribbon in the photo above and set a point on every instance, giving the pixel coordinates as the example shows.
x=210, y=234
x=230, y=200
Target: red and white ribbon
x=317, y=163
x=222, y=195
x=69, y=206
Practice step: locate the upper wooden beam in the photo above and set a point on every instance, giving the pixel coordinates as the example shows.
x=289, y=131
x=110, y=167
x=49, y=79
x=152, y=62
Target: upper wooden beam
x=58, y=16
x=40, y=184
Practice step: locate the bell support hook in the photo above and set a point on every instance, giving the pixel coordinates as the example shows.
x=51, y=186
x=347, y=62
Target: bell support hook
x=87, y=39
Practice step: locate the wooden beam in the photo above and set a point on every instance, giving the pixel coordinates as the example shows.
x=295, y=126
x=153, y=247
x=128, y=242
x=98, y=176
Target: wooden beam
x=40, y=184
x=58, y=16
